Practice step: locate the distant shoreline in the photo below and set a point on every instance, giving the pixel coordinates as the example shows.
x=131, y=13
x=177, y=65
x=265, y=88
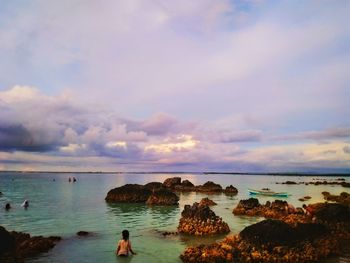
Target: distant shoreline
x=205, y=173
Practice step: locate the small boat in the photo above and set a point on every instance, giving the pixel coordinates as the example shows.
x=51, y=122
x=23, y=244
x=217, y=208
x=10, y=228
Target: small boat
x=267, y=193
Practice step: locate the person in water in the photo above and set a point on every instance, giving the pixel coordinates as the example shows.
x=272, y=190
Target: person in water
x=25, y=203
x=124, y=245
x=8, y=206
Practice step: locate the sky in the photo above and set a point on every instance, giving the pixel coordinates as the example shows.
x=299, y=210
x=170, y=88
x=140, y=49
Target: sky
x=196, y=86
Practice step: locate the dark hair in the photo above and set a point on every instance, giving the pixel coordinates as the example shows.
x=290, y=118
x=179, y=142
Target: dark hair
x=125, y=234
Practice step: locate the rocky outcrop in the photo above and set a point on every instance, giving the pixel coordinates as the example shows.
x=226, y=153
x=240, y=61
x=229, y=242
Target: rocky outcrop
x=209, y=187
x=83, y=233
x=206, y=201
x=201, y=220
x=333, y=213
x=172, y=182
x=154, y=186
x=163, y=197
x=269, y=241
x=185, y=186
x=152, y=194
x=175, y=184
x=343, y=198
x=16, y=246
x=338, y=182
x=231, y=190
x=246, y=207
x=129, y=193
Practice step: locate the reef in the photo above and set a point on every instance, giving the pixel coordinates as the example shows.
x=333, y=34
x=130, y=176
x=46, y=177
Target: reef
x=270, y=241
x=343, y=198
x=339, y=181
x=16, y=246
x=201, y=220
x=206, y=201
x=151, y=194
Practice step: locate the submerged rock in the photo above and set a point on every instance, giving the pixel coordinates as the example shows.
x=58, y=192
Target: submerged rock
x=83, y=233
x=201, y=220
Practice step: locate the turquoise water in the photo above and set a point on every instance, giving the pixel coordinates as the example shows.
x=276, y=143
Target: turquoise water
x=58, y=207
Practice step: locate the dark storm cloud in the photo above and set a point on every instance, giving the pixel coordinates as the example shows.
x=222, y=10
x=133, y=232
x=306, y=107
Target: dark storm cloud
x=17, y=137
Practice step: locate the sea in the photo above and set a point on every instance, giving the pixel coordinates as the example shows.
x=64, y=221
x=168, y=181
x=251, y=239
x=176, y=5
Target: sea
x=62, y=208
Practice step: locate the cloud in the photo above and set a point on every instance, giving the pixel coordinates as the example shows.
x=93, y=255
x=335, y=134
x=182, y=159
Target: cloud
x=346, y=149
x=329, y=134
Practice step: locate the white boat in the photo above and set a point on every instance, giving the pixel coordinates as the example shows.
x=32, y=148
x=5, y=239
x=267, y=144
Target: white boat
x=267, y=193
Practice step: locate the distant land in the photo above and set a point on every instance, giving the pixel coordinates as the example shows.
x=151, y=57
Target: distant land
x=208, y=173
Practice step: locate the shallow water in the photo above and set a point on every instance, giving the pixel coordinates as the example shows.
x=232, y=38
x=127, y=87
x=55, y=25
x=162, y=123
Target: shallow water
x=58, y=207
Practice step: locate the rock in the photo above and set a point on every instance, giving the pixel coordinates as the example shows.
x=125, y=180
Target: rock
x=270, y=233
x=290, y=182
x=185, y=186
x=310, y=231
x=153, y=186
x=332, y=213
x=130, y=193
x=206, y=201
x=7, y=242
x=16, y=246
x=343, y=198
x=231, y=190
x=248, y=203
x=172, y=182
x=201, y=220
x=163, y=197
x=345, y=184
x=209, y=187
x=82, y=233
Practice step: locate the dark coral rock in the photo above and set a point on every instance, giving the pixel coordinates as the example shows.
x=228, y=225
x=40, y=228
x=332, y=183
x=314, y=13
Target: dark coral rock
x=206, y=201
x=269, y=232
x=290, y=182
x=185, y=186
x=132, y=193
x=248, y=203
x=345, y=184
x=172, y=182
x=153, y=186
x=231, y=190
x=7, y=242
x=163, y=197
x=187, y=183
x=82, y=233
x=209, y=187
x=310, y=231
x=333, y=213
x=201, y=220
x=343, y=198
x=16, y=246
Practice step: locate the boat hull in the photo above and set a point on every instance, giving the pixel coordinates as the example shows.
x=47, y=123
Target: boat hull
x=267, y=193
